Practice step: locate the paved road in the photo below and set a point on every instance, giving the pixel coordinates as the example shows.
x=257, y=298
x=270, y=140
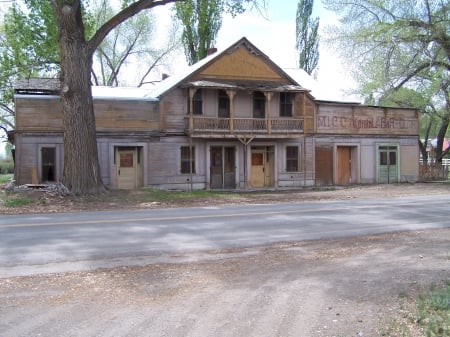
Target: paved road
x=61, y=242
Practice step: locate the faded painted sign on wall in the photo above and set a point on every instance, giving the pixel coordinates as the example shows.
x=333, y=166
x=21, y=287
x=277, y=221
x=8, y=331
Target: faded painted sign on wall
x=366, y=120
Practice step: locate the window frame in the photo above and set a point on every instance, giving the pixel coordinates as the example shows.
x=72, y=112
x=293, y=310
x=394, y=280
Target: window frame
x=259, y=101
x=187, y=160
x=223, y=99
x=197, y=103
x=291, y=157
x=286, y=104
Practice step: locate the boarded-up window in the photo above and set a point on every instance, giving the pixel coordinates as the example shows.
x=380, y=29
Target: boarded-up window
x=187, y=160
x=286, y=99
x=292, y=158
x=257, y=159
x=126, y=159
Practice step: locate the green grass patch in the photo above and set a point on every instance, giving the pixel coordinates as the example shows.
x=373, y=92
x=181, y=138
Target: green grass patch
x=434, y=311
x=424, y=315
x=11, y=202
x=5, y=178
x=151, y=194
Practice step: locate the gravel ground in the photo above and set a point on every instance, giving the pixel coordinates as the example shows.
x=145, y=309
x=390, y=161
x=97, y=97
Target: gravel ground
x=343, y=287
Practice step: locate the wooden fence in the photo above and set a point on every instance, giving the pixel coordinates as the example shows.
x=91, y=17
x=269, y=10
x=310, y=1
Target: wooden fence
x=434, y=171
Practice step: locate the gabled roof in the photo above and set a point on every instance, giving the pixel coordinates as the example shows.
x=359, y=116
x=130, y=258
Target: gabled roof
x=173, y=81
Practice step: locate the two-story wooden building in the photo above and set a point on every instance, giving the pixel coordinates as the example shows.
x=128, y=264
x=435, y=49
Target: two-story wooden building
x=234, y=120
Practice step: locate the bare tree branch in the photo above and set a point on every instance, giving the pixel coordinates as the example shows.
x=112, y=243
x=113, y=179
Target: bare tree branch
x=122, y=16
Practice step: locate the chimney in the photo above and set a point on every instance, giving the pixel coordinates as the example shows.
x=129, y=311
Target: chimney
x=211, y=51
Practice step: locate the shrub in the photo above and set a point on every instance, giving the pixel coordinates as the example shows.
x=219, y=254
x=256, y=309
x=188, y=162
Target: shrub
x=6, y=166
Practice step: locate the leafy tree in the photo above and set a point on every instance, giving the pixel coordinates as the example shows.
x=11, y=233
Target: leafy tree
x=399, y=44
x=27, y=48
x=48, y=32
x=81, y=166
x=201, y=21
x=307, y=41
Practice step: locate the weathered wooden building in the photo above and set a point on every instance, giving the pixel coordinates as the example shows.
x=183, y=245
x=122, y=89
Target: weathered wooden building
x=234, y=120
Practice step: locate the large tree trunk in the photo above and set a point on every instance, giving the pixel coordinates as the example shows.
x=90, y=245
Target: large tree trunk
x=81, y=166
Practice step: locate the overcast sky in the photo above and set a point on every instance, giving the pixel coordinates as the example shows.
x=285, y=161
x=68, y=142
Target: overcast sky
x=275, y=36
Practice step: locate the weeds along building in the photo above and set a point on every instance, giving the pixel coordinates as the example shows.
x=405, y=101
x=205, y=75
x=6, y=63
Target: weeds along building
x=234, y=120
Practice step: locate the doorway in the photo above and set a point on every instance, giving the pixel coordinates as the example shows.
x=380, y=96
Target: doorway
x=324, y=165
x=48, y=164
x=344, y=165
x=388, y=167
x=262, y=166
x=128, y=167
x=223, y=167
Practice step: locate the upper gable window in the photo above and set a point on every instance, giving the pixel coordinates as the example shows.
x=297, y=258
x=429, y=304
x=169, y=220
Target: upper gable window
x=259, y=105
x=197, y=103
x=224, y=104
x=286, y=99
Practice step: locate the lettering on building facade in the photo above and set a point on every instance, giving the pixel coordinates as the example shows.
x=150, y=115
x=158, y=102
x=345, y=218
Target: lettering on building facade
x=366, y=124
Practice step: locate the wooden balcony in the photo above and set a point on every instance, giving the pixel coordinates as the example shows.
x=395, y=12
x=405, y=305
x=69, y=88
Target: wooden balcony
x=202, y=126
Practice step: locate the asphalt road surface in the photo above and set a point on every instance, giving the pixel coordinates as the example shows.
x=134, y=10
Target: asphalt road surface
x=42, y=243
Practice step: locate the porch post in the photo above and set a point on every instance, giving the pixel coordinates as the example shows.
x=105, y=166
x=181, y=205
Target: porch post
x=191, y=109
x=269, y=117
x=231, y=94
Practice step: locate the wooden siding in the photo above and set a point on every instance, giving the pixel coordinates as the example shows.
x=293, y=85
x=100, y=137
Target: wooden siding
x=126, y=115
x=173, y=109
x=241, y=64
x=44, y=113
x=304, y=107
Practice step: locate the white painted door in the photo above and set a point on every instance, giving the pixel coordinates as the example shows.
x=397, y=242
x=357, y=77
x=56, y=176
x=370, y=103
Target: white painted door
x=126, y=168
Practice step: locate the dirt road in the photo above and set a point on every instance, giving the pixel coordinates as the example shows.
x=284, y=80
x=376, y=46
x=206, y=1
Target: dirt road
x=346, y=287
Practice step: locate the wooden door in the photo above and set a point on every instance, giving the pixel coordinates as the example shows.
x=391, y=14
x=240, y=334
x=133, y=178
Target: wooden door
x=223, y=167
x=126, y=168
x=262, y=168
x=344, y=165
x=388, y=168
x=257, y=170
x=324, y=165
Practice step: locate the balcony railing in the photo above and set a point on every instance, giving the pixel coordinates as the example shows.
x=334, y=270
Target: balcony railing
x=244, y=125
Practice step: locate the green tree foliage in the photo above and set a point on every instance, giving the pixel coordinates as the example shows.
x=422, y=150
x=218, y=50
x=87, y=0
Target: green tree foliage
x=396, y=44
x=76, y=47
x=201, y=21
x=307, y=42
x=28, y=40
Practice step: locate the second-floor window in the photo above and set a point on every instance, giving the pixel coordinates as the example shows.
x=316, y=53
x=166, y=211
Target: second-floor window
x=197, y=103
x=286, y=99
x=259, y=105
x=224, y=104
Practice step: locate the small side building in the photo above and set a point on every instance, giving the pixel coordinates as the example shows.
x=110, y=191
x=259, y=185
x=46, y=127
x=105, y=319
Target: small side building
x=234, y=120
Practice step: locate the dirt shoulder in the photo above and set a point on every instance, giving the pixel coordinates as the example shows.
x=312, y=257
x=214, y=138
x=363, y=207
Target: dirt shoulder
x=346, y=287
x=362, y=286
x=49, y=202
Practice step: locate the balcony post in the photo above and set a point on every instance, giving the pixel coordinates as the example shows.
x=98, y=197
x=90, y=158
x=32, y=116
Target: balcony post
x=269, y=117
x=191, y=109
x=231, y=94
